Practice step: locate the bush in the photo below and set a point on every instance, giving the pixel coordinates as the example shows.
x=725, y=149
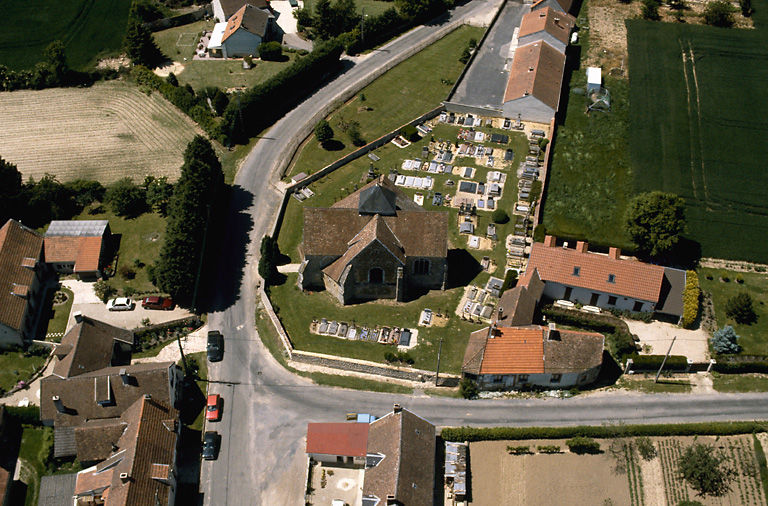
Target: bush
x=126, y=198
x=468, y=388
x=500, y=216
x=353, y=130
x=323, y=132
x=719, y=13
x=519, y=450
x=581, y=445
x=653, y=362
x=410, y=133
x=398, y=356
x=740, y=279
x=270, y=51
x=645, y=448
x=539, y=233
x=739, y=307
x=548, y=449
x=103, y=290
x=126, y=272
x=691, y=297
x=725, y=340
x=37, y=350
x=650, y=10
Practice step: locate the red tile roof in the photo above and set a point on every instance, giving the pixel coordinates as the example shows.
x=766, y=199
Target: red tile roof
x=537, y=70
x=17, y=243
x=515, y=350
x=631, y=278
x=249, y=18
x=83, y=251
x=347, y=439
x=557, y=24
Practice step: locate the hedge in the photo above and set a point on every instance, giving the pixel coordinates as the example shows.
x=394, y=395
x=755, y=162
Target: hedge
x=758, y=366
x=653, y=362
x=601, y=431
x=581, y=445
x=618, y=337
x=691, y=297
x=28, y=415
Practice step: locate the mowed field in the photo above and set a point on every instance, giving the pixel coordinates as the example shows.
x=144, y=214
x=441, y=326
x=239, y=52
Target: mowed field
x=699, y=124
x=88, y=28
x=108, y=131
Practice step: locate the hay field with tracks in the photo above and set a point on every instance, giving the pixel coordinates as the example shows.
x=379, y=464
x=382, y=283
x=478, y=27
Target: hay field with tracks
x=105, y=132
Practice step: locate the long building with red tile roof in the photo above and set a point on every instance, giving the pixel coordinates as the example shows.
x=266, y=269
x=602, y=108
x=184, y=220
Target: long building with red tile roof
x=548, y=25
x=77, y=246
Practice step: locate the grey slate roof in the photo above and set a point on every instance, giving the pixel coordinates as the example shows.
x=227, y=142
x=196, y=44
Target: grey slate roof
x=377, y=200
x=77, y=228
x=57, y=490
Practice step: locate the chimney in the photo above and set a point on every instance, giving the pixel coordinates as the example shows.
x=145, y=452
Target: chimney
x=501, y=313
x=552, y=333
x=397, y=408
x=614, y=253
x=124, y=376
x=124, y=477
x=78, y=316
x=581, y=246
x=59, y=404
x=147, y=397
x=550, y=241
x=391, y=500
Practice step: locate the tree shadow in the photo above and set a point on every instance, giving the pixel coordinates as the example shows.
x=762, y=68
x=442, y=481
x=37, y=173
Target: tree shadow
x=225, y=258
x=193, y=403
x=462, y=268
x=686, y=253
x=333, y=145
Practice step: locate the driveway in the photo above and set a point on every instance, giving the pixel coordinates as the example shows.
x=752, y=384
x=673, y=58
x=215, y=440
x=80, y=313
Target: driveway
x=87, y=303
x=658, y=335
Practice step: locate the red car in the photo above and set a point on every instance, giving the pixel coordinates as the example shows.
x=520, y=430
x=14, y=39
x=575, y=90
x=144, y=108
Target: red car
x=212, y=411
x=156, y=302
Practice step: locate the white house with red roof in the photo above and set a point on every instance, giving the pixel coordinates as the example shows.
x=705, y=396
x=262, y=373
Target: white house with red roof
x=242, y=33
x=606, y=280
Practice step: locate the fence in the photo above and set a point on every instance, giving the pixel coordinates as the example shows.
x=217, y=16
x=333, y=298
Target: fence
x=545, y=172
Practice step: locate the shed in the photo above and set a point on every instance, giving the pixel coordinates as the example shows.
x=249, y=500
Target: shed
x=466, y=228
x=594, y=78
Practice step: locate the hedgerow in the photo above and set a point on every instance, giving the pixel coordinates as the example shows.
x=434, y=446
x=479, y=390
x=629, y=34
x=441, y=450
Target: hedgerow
x=691, y=296
x=653, y=362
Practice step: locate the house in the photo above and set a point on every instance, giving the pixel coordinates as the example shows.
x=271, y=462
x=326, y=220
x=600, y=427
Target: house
x=374, y=244
x=224, y=9
x=396, y=453
x=78, y=246
x=517, y=305
x=338, y=443
x=141, y=465
x=242, y=33
x=503, y=358
x=22, y=279
x=547, y=25
x=558, y=5
x=535, y=79
x=607, y=281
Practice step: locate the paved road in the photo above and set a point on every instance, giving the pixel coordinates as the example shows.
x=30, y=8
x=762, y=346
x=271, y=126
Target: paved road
x=266, y=409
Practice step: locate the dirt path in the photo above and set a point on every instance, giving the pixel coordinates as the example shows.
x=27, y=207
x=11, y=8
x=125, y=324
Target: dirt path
x=733, y=265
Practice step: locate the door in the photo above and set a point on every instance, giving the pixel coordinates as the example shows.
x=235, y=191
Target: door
x=593, y=300
x=567, y=294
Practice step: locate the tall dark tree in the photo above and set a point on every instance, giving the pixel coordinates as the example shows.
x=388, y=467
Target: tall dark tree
x=10, y=187
x=195, y=193
x=56, y=59
x=126, y=198
x=47, y=200
x=159, y=193
x=324, y=19
x=139, y=44
x=655, y=221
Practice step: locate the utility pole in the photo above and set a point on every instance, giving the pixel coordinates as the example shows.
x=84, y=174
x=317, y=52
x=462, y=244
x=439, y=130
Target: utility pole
x=437, y=371
x=665, y=359
x=362, y=25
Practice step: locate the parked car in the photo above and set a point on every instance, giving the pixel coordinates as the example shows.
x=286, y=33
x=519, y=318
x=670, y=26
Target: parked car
x=211, y=443
x=215, y=346
x=156, y=302
x=120, y=304
x=213, y=408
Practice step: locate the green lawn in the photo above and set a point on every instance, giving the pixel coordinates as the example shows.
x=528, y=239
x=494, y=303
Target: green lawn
x=300, y=308
x=698, y=128
x=664, y=386
x=740, y=383
x=14, y=367
x=60, y=314
x=754, y=338
x=410, y=89
x=140, y=239
x=202, y=384
x=88, y=28
x=35, y=452
x=180, y=42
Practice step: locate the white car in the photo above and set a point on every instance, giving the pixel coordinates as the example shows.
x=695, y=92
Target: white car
x=120, y=304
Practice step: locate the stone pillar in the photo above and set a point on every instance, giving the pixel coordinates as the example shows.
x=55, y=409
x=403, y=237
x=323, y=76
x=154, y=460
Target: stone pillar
x=400, y=285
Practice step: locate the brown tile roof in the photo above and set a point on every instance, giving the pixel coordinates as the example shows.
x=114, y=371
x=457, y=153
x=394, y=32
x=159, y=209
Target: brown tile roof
x=88, y=347
x=94, y=441
x=518, y=305
x=85, y=252
x=248, y=18
x=473, y=355
x=575, y=351
x=231, y=6
x=557, y=24
x=537, y=70
x=633, y=279
x=407, y=470
x=78, y=393
x=17, y=243
x=565, y=4
x=514, y=350
x=348, y=439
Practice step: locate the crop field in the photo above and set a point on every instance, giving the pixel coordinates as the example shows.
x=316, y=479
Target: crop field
x=88, y=28
x=106, y=132
x=702, y=133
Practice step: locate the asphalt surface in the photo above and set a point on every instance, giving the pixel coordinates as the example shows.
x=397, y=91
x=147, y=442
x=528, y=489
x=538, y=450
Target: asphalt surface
x=266, y=409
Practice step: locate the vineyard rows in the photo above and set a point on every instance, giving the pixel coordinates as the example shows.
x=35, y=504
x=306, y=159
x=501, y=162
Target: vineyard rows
x=105, y=132
x=634, y=475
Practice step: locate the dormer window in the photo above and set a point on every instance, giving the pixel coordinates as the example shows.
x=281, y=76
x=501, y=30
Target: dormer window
x=611, y=278
x=576, y=271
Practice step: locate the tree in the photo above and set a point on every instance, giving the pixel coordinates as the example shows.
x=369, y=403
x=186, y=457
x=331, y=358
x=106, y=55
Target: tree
x=323, y=132
x=468, y=388
x=303, y=18
x=195, y=194
x=500, y=216
x=418, y=9
x=323, y=19
x=10, y=187
x=172, y=79
x=103, y=290
x=270, y=51
x=139, y=44
x=650, y=10
x=719, y=13
x=86, y=192
x=354, y=134
x=54, y=56
x=739, y=307
x=158, y=193
x=725, y=340
x=705, y=470
x=126, y=198
x=268, y=255
x=645, y=448
x=510, y=280
x=46, y=200
x=655, y=221
x=581, y=445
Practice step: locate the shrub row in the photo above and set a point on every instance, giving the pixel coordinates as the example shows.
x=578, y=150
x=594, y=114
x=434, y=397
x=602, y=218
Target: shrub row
x=653, y=362
x=582, y=444
x=377, y=29
x=250, y=112
x=519, y=450
x=620, y=341
x=601, y=431
x=29, y=415
x=727, y=367
x=691, y=297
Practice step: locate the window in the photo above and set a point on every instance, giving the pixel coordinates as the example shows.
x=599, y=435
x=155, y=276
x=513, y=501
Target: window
x=611, y=278
x=611, y=300
x=376, y=276
x=496, y=378
x=421, y=266
x=637, y=307
x=555, y=378
x=576, y=271
x=522, y=378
